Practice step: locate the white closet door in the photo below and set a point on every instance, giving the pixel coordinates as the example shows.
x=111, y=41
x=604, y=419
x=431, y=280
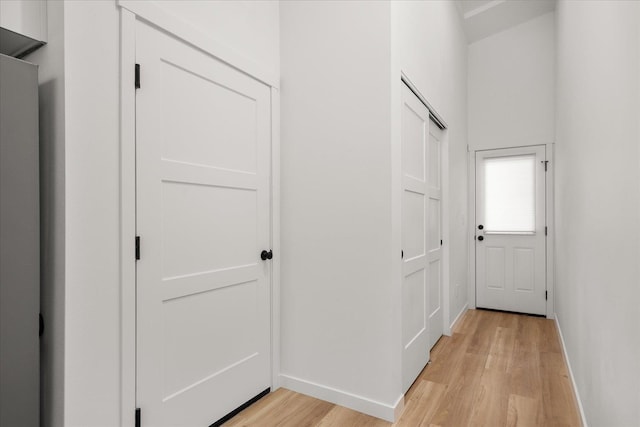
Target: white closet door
x=434, y=232
x=203, y=291
x=510, y=230
x=415, y=304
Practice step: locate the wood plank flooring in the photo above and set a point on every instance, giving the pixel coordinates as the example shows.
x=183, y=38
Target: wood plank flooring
x=497, y=369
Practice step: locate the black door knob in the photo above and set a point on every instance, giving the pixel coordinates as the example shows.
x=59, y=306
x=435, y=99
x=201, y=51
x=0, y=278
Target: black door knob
x=481, y=238
x=264, y=255
x=480, y=227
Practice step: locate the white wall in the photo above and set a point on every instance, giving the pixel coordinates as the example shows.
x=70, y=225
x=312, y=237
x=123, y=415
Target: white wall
x=337, y=329
x=50, y=59
x=433, y=54
x=512, y=86
x=248, y=27
x=341, y=64
x=26, y=17
x=92, y=292
x=598, y=204
x=80, y=77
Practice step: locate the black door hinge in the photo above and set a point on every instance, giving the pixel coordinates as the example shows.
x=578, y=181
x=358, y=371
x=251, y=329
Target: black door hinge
x=137, y=417
x=545, y=294
x=546, y=230
x=440, y=242
x=401, y=254
x=546, y=163
x=137, y=76
x=137, y=248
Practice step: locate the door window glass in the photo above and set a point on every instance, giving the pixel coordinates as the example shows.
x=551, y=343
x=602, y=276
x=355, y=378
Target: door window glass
x=509, y=194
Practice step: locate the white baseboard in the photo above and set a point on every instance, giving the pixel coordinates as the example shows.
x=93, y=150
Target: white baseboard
x=458, y=317
x=573, y=380
x=342, y=398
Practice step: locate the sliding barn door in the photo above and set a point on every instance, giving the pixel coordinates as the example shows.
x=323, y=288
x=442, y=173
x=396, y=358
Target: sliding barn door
x=415, y=304
x=434, y=233
x=203, y=291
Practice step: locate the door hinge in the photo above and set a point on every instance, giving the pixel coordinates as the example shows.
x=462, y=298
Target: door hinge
x=546, y=230
x=440, y=242
x=137, y=248
x=401, y=254
x=546, y=163
x=137, y=417
x=545, y=294
x=137, y=76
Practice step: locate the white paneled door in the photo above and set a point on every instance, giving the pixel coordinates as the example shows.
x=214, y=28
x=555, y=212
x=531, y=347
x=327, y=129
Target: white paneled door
x=511, y=230
x=203, y=202
x=415, y=192
x=434, y=234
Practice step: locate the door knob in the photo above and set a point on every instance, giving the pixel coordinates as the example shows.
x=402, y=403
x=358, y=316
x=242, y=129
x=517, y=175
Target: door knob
x=264, y=255
x=480, y=227
x=481, y=238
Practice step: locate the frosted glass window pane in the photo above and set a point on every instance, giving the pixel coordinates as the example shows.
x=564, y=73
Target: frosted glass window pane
x=510, y=194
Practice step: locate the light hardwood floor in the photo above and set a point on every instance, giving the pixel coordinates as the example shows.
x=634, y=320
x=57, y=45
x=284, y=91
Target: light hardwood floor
x=497, y=369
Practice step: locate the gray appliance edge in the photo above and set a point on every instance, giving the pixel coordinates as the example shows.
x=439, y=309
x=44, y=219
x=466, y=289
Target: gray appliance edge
x=19, y=244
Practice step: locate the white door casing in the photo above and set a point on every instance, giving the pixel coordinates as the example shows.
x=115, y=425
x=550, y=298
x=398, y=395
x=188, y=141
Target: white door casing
x=203, y=293
x=415, y=304
x=434, y=233
x=510, y=229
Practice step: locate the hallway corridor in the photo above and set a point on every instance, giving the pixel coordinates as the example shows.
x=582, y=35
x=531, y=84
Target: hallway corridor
x=497, y=369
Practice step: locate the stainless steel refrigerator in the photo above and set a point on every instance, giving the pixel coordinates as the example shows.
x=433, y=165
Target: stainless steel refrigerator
x=19, y=244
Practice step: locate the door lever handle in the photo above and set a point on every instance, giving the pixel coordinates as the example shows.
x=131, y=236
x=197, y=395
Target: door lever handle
x=264, y=255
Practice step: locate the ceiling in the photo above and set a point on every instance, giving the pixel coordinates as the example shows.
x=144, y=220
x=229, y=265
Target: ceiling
x=482, y=18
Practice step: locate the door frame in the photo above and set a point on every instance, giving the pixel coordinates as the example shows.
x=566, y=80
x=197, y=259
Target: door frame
x=130, y=12
x=549, y=214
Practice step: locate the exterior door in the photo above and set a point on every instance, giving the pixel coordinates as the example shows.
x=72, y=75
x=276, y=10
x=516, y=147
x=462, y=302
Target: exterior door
x=415, y=304
x=203, y=202
x=434, y=233
x=510, y=230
